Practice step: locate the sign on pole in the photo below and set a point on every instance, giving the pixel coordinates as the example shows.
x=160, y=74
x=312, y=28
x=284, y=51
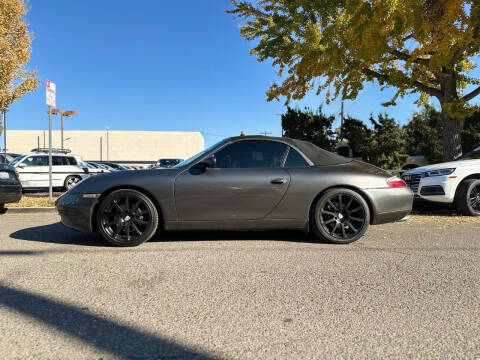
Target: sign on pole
x=51, y=94
x=51, y=97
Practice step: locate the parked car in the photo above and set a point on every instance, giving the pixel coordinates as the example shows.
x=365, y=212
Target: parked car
x=456, y=182
x=7, y=158
x=95, y=170
x=33, y=170
x=168, y=163
x=10, y=187
x=240, y=183
x=116, y=166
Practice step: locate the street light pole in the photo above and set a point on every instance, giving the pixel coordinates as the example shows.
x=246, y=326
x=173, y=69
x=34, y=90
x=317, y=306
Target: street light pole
x=4, y=131
x=101, y=148
x=50, y=188
x=108, y=149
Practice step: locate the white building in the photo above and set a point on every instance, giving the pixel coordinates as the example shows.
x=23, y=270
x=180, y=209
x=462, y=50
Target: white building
x=114, y=145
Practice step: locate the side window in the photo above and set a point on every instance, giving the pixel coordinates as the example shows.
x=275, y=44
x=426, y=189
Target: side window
x=251, y=154
x=72, y=160
x=58, y=160
x=36, y=161
x=294, y=159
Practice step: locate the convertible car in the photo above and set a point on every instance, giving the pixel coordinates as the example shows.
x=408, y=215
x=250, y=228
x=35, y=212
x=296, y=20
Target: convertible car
x=240, y=183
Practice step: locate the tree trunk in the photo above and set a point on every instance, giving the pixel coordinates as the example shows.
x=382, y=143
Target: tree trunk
x=452, y=142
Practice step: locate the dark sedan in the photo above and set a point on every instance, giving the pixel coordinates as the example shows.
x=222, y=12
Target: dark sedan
x=240, y=183
x=10, y=187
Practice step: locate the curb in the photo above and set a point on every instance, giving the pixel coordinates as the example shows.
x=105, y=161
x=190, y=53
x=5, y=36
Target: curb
x=31, y=210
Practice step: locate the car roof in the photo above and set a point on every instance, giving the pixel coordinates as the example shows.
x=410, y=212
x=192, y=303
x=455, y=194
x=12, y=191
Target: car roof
x=316, y=155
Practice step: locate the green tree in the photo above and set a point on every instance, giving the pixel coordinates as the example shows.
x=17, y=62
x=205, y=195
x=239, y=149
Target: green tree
x=359, y=137
x=311, y=126
x=471, y=132
x=424, y=134
x=415, y=46
x=15, y=52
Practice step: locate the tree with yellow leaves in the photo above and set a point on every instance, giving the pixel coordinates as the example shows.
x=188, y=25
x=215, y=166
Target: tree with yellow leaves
x=416, y=46
x=15, y=52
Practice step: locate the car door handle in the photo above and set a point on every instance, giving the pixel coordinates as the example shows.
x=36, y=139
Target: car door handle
x=279, y=181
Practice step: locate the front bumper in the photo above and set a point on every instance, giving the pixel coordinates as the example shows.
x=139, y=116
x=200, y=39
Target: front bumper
x=76, y=211
x=10, y=193
x=446, y=183
x=390, y=204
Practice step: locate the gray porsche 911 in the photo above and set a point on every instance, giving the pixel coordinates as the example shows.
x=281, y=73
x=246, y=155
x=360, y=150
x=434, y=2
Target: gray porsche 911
x=240, y=183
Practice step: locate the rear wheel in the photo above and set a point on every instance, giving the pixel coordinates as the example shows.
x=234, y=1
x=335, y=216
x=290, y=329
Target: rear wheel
x=340, y=216
x=71, y=181
x=468, y=197
x=3, y=209
x=127, y=218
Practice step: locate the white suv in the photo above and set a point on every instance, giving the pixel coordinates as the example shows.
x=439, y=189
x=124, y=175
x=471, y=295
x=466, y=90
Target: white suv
x=451, y=182
x=67, y=170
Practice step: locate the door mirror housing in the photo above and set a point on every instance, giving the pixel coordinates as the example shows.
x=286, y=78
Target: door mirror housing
x=21, y=165
x=344, y=150
x=208, y=162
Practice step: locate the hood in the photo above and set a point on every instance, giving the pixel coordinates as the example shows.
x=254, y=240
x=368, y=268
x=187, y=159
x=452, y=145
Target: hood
x=445, y=165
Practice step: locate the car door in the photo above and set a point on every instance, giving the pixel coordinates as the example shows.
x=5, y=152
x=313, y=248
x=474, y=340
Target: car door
x=33, y=171
x=246, y=183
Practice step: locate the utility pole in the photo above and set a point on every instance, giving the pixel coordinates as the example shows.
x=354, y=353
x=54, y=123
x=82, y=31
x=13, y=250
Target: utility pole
x=342, y=115
x=101, y=148
x=4, y=111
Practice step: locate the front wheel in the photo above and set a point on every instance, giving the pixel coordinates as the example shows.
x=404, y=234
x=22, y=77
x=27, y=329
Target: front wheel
x=340, y=216
x=468, y=197
x=127, y=218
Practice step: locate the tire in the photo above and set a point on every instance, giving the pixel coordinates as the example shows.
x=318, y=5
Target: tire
x=71, y=181
x=3, y=209
x=127, y=218
x=340, y=216
x=467, y=199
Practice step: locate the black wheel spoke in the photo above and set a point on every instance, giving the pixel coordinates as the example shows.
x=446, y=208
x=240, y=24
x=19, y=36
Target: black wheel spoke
x=329, y=221
x=355, y=230
x=333, y=206
x=356, y=218
x=343, y=231
x=355, y=210
x=328, y=212
x=141, y=222
x=340, y=201
x=349, y=203
x=334, y=228
x=135, y=228
x=115, y=203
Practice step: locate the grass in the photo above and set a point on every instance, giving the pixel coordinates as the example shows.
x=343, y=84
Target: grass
x=30, y=201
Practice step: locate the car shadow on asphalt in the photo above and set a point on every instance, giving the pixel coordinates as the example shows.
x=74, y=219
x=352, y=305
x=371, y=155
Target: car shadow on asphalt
x=58, y=234
x=421, y=208
x=119, y=340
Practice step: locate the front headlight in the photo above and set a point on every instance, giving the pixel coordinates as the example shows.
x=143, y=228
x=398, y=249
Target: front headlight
x=439, y=172
x=4, y=175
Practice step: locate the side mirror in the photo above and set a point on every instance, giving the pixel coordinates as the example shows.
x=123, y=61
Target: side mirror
x=209, y=162
x=21, y=165
x=344, y=150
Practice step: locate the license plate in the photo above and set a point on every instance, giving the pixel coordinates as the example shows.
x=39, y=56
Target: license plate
x=4, y=175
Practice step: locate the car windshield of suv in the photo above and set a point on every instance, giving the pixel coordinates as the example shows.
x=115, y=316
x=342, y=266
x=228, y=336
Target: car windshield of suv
x=17, y=160
x=472, y=155
x=199, y=155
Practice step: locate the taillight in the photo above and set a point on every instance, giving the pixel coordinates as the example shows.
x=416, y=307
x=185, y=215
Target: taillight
x=395, y=182
x=85, y=170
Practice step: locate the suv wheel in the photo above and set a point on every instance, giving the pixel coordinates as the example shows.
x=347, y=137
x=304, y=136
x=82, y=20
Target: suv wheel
x=71, y=181
x=468, y=197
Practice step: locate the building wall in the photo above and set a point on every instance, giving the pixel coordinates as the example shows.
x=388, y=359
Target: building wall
x=123, y=145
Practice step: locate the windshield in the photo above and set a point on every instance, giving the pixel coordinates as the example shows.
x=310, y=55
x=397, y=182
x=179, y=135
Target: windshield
x=200, y=154
x=472, y=155
x=17, y=160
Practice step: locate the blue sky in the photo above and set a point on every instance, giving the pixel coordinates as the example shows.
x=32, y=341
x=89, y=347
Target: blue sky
x=159, y=65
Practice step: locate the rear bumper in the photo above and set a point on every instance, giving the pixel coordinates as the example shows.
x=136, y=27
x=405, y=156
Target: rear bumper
x=10, y=193
x=76, y=211
x=390, y=204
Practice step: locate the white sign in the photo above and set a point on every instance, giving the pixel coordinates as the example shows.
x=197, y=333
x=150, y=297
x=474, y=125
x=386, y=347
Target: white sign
x=51, y=93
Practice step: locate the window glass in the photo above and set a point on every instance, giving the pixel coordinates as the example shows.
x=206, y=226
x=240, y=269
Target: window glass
x=17, y=159
x=294, y=159
x=36, y=161
x=72, y=160
x=472, y=155
x=59, y=160
x=251, y=154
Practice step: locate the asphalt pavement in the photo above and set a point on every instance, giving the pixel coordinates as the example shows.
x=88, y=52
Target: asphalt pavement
x=405, y=290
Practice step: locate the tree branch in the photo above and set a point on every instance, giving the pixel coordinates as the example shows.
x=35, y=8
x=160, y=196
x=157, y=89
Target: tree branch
x=404, y=56
x=458, y=54
x=421, y=86
x=471, y=95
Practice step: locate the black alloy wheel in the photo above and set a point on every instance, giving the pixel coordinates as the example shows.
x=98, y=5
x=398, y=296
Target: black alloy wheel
x=341, y=216
x=127, y=218
x=468, y=197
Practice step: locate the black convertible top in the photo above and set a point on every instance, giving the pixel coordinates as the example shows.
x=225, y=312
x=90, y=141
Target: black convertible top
x=316, y=155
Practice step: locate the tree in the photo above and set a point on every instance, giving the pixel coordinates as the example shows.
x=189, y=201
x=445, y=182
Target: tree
x=415, y=46
x=424, y=134
x=311, y=126
x=359, y=137
x=15, y=40
x=471, y=132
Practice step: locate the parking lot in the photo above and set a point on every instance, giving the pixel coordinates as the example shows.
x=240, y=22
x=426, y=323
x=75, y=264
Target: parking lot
x=408, y=289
